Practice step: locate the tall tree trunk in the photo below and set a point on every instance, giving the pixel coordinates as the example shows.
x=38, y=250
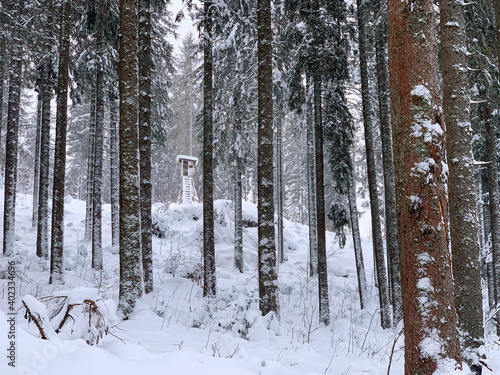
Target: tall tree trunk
x=324, y=308
x=115, y=183
x=238, y=166
x=464, y=229
x=209, y=280
x=15, y=82
x=90, y=169
x=97, y=258
x=391, y=220
x=429, y=314
x=46, y=87
x=378, y=246
x=130, y=208
x=57, y=238
x=356, y=240
x=279, y=178
x=268, y=278
x=311, y=181
x=494, y=198
x=491, y=128
x=36, y=174
x=145, y=140
x=3, y=63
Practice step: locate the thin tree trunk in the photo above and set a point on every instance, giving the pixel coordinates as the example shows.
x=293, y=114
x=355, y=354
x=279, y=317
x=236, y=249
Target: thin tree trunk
x=493, y=183
x=378, y=246
x=130, y=208
x=209, y=279
x=238, y=200
x=311, y=182
x=15, y=82
x=145, y=140
x=90, y=170
x=43, y=187
x=494, y=210
x=356, y=239
x=36, y=174
x=266, y=249
x=324, y=308
x=429, y=314
x=97, y=257
x=464, y=229
x=279, y=180
x=57, y=238
x=115, y=186
x=391, y=221
x=3, y=63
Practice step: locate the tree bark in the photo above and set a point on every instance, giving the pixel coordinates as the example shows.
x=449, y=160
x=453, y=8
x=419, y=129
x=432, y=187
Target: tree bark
x=464, y=229
x=97, y=257
x=209, y=279
x=90, y=169
x=324, y=308
x=431, y=336
x=57, y=238
x=145, y=95
x=356, y=240
x=391, y=221
x=279, y=181
x=15, y=82
x=268, y=279
x=36, y=174
x=115, y=183
x=238, y=196
x=378, y=246
x=311, y=181
x=130, y=225
x=493, y=184
x=494, y=206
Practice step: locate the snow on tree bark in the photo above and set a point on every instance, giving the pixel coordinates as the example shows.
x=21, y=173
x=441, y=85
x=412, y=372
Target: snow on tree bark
x=97, y=258
x=311, y=180
x=130, y=215
x=268, y=279
x=42, y=243
x=36, y=174
x=356, y=239
x=209, y=280
x=90, y=169
x=431, y=336
x=114, y=165
x=464, y=229
x=494, y=210
x=324, y=308
x=391, y=222
x=238, y=196
x=57, y=237
x=378, y=246
x=15, y=82
x=279, y=180
x=145, y=95
x=493, y=185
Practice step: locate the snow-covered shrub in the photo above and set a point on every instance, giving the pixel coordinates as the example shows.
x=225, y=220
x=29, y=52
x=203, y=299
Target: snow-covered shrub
x=238, y=313
x=79, y=313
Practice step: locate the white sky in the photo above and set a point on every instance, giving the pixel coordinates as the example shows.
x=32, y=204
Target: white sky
x=185, y=26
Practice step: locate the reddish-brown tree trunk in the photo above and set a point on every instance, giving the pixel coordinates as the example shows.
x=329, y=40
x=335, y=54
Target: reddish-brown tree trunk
x=430, y=320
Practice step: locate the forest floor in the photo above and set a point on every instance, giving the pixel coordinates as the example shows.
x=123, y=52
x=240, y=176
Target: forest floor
x=176, y=331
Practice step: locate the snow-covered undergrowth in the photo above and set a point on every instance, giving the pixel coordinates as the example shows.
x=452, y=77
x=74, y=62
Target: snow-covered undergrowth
x=177, y=331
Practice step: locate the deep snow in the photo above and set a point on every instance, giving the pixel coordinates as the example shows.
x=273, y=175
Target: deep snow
x=177, y=331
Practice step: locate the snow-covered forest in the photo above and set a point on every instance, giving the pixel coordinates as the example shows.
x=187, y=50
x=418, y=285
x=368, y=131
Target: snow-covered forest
x=249, y=187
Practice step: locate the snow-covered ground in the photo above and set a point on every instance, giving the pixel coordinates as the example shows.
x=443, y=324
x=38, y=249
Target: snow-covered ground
x=177, y=331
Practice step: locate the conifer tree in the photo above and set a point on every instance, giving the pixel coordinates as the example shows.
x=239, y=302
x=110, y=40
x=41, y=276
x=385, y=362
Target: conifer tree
x=429, y=314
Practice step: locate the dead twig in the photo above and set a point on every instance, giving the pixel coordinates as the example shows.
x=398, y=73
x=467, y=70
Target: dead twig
x=392, y=350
